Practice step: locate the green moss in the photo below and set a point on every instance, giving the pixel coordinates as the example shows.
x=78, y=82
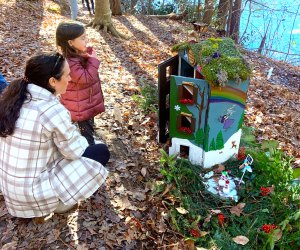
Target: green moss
x=218, y=58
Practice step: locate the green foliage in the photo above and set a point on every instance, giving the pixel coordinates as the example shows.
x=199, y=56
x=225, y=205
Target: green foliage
x=248, y=139
x=220, y=60
x=296, y=173
x=148, y=98
x=280, y=207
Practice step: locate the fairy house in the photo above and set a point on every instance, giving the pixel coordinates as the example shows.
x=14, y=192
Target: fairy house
x=202, y=95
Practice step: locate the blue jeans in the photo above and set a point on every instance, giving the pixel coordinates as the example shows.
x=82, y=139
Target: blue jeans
x=74, y=9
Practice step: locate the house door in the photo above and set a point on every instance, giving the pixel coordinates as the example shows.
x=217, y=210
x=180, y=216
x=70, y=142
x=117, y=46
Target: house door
x=165, y=70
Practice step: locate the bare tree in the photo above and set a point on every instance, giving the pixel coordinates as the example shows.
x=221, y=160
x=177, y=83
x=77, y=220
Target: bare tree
x=292, y=32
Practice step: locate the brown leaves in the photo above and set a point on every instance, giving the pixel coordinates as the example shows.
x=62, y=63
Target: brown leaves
x=181, y=210
x=238, y=209
x=241, y=240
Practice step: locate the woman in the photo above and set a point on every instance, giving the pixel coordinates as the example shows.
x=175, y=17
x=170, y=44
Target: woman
x=45, y=164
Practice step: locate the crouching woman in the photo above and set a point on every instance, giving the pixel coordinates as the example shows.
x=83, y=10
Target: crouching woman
x=45, y=164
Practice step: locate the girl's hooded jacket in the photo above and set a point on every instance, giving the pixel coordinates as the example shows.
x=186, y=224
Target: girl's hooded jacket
x=84, y=97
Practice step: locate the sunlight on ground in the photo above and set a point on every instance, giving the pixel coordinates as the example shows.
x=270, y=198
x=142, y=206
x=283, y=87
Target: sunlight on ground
x=73, y=226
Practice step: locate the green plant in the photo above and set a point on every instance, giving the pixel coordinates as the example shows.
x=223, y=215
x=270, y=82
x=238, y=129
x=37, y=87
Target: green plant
x=220, y=60
x=278, y=207
x=148, y=98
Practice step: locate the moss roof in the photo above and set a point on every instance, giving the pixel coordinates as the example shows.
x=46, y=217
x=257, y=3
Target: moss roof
x=219, y=59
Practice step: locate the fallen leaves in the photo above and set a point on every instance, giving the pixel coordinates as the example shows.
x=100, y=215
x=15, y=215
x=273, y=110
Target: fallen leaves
x=241, y=240
x=238, y=209
x=181, y=210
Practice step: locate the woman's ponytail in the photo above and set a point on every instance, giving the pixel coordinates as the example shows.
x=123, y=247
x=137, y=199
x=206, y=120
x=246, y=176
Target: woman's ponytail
x=11, y=102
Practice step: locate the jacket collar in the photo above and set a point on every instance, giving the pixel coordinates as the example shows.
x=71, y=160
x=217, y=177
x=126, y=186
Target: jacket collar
x=39, y=93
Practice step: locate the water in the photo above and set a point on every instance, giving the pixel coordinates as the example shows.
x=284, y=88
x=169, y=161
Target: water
x=282, y=37
x=283, y=25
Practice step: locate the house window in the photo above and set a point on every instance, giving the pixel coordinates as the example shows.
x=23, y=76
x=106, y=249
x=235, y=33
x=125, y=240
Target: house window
x=187, y=93
x=184, y=151
x=185, y=123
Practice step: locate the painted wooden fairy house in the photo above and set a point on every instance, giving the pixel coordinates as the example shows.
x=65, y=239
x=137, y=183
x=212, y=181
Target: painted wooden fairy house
x=202, y=95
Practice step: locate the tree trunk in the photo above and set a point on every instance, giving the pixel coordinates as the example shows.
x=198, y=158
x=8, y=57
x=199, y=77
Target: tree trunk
x=194, y=8
x=222, y=14
x=149, y=7
x=199, y=8
x=115, y=6
x=132, y=6
x=172, y=16
x=234, y=31
x=208, y=11
x=102, y=19
x=229, y=17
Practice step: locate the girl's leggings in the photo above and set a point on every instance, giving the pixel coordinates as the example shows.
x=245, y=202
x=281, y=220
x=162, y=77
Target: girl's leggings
x=97, y=152
x=87, y=130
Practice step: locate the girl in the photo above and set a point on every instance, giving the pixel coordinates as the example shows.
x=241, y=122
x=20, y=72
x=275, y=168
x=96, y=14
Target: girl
x=83, y=98
x=45, y=164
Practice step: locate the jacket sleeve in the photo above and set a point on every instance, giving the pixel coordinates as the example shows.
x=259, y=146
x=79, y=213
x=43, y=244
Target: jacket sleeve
x=69, y=142
x=84, y=74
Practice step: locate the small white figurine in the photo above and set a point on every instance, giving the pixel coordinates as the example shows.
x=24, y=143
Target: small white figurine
x=226, y=189
x=223, y=178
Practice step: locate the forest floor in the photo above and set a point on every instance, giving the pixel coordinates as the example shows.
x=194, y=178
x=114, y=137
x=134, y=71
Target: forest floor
x=124, y=214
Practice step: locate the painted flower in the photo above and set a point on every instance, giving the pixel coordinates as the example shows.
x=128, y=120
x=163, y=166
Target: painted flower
x=186, y=130
x=186, y=101
x=177, y=107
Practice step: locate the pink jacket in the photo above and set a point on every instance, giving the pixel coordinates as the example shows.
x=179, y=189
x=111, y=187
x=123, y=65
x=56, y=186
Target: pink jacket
x=83, y=98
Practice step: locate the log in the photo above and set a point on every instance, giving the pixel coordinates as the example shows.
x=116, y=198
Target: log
x=172, y=16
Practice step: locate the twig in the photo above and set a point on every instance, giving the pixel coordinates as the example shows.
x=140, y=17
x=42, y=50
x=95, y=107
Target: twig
x=253, y=212
x=69, y=246
x=162, y=239
x=175, y=232
x=170, y=245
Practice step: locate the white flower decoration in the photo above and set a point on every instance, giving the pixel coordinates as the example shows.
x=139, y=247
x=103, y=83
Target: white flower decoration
x=177, y=108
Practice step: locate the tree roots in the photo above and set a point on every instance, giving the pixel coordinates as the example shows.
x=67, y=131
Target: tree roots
x=108, y=27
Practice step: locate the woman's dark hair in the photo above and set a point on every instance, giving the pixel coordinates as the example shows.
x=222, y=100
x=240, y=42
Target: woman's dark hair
x=66, y=31
x=39, y=69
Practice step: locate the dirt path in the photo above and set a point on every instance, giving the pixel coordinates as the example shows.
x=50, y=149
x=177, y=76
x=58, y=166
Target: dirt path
x=123, y=214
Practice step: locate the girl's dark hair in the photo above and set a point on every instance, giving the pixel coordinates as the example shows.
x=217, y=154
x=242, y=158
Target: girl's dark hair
x=66, y=31
x=39, y=69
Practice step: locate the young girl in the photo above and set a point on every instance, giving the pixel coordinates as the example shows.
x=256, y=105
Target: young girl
x=83, y=98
